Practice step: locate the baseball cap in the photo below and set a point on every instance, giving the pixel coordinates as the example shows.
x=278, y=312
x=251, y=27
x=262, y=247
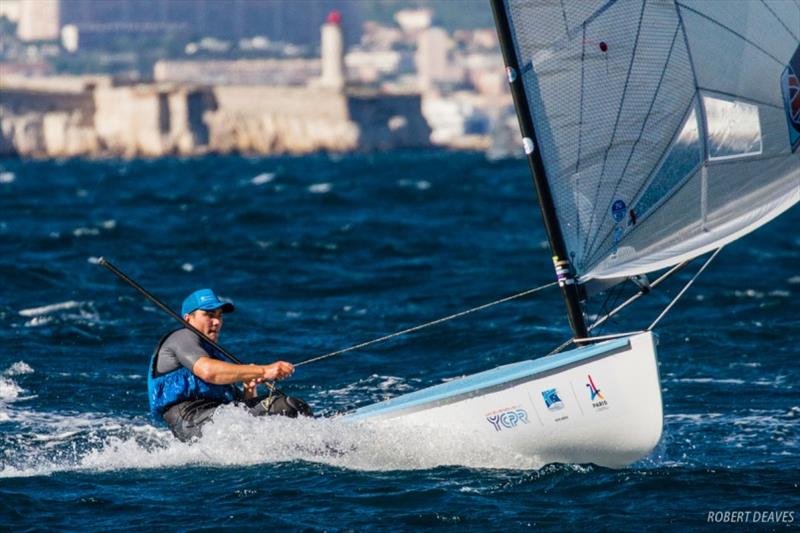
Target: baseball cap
x=206, y=300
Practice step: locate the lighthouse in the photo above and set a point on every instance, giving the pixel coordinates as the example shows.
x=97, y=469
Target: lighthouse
x=332, y=44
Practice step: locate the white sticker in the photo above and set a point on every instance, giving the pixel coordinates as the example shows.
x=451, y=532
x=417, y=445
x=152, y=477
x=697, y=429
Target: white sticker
x=527, y=142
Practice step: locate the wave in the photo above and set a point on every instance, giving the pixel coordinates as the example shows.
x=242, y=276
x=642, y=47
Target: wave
x=422, y=185
x=726, y=381
x=263, y=178
x=9, y=390
x=237, y=438
x=320, y=188
x=17, y=369
x=69, y=312
x=48, y=309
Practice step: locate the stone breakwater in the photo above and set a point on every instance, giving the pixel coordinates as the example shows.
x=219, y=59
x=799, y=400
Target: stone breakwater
x=97, y=118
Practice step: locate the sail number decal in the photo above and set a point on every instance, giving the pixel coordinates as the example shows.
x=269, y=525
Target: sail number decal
x=790, y=86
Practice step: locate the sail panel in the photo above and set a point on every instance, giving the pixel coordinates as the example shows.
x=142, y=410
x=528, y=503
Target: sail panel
x=683, y=158
x=736, y=60
x=672, y=250
x=612, y=88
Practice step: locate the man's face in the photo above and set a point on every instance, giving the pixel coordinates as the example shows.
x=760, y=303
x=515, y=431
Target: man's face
x=208, y=322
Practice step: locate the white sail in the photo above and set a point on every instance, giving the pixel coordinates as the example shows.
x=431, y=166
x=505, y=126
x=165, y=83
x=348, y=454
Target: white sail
x=666, y=128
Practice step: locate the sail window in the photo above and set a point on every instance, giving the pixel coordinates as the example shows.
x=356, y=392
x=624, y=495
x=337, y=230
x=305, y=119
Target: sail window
x=734, y=129
x=681, y=160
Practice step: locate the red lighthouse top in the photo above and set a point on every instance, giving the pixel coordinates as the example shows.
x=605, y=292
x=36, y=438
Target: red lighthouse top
x=334, y=17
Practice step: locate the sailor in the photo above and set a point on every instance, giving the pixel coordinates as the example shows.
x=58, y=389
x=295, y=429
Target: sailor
x=189, y=379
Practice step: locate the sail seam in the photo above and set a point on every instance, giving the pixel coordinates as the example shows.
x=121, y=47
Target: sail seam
x=589, y=250
x=564, y=16
x=592, y=260
x=780, y=21
x=616, y=124
x=569, y=35
x=580, y=129
x=688, y=48
x=741, y=97
x=732, y=31
x=580, y=107
x=736, y=160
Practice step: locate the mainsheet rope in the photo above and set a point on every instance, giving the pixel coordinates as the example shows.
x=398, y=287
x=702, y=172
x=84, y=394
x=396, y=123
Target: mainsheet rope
x=531, y=291
x=427, y=324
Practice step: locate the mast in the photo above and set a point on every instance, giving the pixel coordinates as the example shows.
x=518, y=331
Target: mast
x=564, y=271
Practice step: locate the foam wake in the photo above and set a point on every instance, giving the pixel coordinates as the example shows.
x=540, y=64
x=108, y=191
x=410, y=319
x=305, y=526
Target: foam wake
x=236, y=438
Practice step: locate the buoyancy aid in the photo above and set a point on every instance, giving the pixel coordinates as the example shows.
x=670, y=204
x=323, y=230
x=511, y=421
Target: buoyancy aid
x=180, y=385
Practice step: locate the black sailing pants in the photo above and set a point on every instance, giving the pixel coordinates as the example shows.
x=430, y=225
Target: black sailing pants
x=186, y=419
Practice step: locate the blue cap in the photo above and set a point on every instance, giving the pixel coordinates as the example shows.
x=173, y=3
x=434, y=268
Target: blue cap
x=206, y=300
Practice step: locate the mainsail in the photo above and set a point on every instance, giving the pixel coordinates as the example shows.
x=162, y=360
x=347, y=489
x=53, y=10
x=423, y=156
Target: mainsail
x=665, y=128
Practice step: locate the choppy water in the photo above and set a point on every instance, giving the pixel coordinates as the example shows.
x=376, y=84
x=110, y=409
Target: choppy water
x=322, y=252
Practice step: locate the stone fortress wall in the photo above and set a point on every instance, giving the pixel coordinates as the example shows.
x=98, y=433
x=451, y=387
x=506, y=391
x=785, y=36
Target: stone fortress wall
x=94, y=117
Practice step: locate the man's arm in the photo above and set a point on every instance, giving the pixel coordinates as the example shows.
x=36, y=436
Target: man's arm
x=222, y=373
x=190, y=353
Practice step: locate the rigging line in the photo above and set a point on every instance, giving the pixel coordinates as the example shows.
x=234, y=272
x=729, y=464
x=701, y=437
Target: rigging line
x=604, y=307
x=428, y=324
x=608, y=337
x=685, y=288
x=636, y=296
x=563, y=345
x=620, y=307
x=617, y=293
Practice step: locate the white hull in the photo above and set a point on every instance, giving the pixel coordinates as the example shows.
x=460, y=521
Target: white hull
x=549, y=408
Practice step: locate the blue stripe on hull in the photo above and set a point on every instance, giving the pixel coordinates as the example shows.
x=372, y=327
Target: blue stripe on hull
x=495, y=378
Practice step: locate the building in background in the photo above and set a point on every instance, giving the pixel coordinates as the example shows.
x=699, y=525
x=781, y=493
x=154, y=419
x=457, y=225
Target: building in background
x=332, y=52
x=435, y=61
x=39, y=20
x=213, y=75
x=10, y=9
x=229, y=20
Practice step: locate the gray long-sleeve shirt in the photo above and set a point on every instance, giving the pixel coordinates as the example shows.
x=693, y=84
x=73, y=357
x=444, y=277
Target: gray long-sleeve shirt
x=181, y=348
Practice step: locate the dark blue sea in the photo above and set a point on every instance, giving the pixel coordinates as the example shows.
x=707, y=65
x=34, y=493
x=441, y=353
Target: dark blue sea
x=320, y=253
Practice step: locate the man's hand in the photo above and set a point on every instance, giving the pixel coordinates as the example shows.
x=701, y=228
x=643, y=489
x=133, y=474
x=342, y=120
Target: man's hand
x=251, y=388
x=277, y=370
x=272, y=372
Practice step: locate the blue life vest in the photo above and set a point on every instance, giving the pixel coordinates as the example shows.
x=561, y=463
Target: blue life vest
x=180, y=385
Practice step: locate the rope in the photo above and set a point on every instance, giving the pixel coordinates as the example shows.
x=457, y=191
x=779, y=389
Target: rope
x=621, y=306
x=684, y=289
x=606, y=337
x=427, y=324
x=636, y=296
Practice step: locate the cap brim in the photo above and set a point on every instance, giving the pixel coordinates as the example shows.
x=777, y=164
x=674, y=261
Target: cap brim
x=226, y=307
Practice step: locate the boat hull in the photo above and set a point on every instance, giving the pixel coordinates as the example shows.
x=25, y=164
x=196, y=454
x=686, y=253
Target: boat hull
x=598, y=404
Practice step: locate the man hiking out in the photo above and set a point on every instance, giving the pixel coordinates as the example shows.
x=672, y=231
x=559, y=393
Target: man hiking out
x=188, y=378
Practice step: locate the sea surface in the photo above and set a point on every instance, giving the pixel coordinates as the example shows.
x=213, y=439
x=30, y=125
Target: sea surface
x=320, y=253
